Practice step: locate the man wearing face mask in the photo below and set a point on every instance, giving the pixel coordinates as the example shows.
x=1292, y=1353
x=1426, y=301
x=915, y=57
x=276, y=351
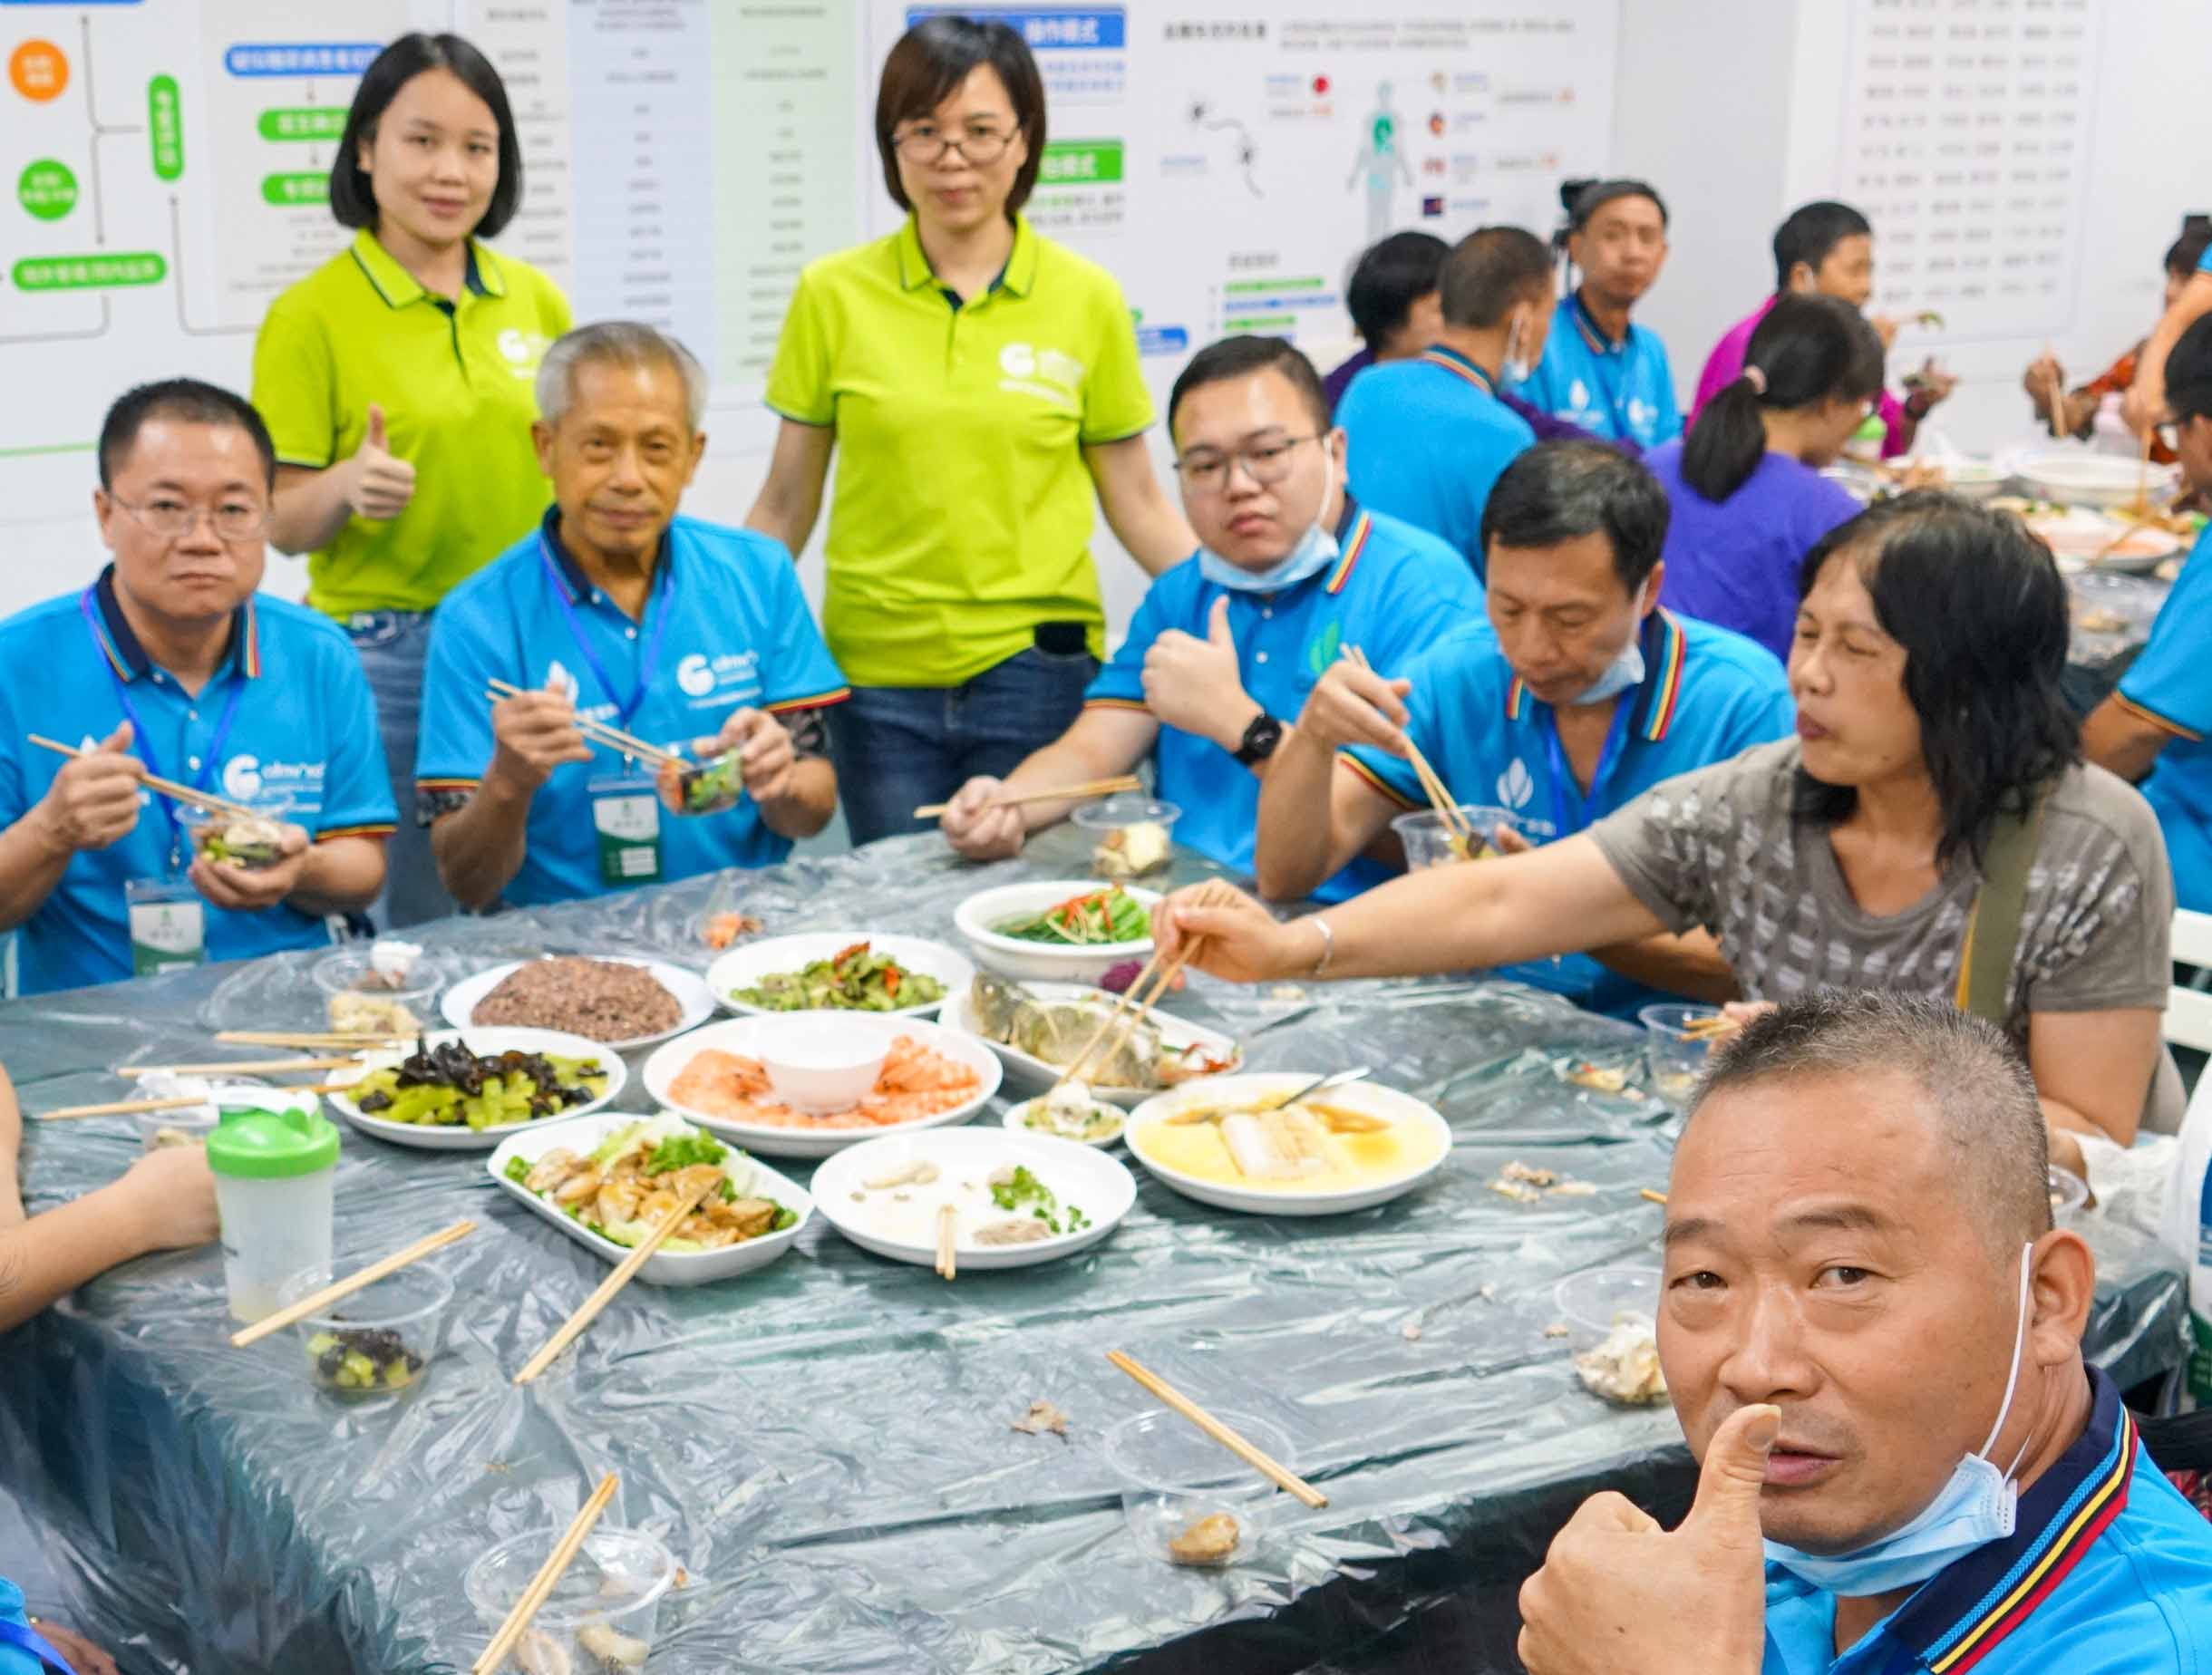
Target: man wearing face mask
x=1428, y=435
x=1575, y=693
x=1290, y=571
x=1871, y=1334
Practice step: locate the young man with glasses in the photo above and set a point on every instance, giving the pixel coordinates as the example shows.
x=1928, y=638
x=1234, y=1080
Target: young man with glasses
x=1289, y=575
x=169, y=664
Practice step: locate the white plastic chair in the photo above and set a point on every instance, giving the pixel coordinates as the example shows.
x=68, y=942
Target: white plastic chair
x=2188, y=1011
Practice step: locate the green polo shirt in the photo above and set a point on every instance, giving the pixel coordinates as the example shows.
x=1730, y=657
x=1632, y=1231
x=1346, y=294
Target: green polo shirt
x=963, y=511
x=457, y=382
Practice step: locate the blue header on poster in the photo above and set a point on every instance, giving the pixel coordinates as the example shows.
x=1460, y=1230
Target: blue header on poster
x=1045, y=28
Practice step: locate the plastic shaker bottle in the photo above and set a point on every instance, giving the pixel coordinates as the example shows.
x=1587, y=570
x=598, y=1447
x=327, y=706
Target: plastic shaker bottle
x=273, y=1175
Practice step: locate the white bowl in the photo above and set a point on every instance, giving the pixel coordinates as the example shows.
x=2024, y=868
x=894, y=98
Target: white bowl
x=905, y=1231
x=689, y=988
x=819, y=1061
x=1016, y=1120
x=1042, y=962
x=1364, y=1096
x=2076, y=476
x=583, y=1135
x=1026, y=1071
x=425, y=1136
x=751, y=1037
x=743, y=967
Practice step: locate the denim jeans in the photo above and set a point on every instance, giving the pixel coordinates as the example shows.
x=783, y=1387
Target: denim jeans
x=393, y=647
x=899, y=747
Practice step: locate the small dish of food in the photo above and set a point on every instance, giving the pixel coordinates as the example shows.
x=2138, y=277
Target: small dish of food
x=387, y=988
x=1135, y=834
x=1187, y=1499
x=607, y=1181
x=600, y=1619
x=618, y=1002
x=1069, y=1112
x=377, y=1342
x=1066, y=930
x=466, y=1090
x=715, y=786
x=1429, y=843
x=1037, y=1029
x=1014, y=1200
x=838, y=970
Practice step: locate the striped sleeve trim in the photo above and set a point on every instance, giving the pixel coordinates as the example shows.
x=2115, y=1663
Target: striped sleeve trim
x=817, y=700
x=447, y=785
x=1117, y=703
x=2155, y=719
x=382, y=828
x=1376, y=780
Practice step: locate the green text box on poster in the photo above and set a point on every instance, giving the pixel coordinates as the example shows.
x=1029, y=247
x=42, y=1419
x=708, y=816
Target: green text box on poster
x=47, y=189
x=1081, y=162
x=165, y=127
x=285, y=190
x=302, y=122
x=90, y=273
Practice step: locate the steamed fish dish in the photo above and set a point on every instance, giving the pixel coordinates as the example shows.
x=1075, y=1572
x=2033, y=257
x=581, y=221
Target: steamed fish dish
x=1311, y=1147
x=915, y=1083
x=1055, y=1031
x=622, y=1190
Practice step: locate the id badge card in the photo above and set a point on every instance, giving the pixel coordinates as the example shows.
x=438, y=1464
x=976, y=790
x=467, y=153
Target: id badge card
x=168, y=925
x=625, y=819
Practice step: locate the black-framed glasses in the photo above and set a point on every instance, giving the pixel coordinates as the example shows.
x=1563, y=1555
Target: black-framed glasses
x=925, y=143
x=173, y=519
x=1207, y=470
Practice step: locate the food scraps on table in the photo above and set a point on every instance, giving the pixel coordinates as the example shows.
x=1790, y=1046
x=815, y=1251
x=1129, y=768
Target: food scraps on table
x=1131, y=850
x=351, y=1013
x=638, y=1174
x=1207, y=1541
x=448, y=1086
x=606, y=1001
x=854, y=979
x=723, y=929
x=1597, y=1076
x=1043, y=1417
x=915, y=1082
x=1094, y=919
x=1623, y=1366
x=1527, y=1184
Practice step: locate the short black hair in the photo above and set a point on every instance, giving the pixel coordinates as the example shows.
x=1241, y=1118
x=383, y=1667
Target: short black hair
x=2188, y=372
x=1596, y=195
x=1811, y=232
x=1490, y=270
x=1559, y=492
x=185, y=398
x=2184, y=255
x=353, y=197
x=1240, y=357
x=1981, y=612
x=1389, y=279
x=926, y=66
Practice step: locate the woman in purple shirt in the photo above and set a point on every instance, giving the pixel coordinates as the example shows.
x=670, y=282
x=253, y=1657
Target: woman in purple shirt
x=1748, y=499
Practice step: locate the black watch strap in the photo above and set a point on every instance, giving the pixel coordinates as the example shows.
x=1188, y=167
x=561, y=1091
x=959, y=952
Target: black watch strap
x=1259, y=739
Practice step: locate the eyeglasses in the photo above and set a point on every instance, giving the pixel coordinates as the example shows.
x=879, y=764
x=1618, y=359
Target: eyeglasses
x=173, y=519
x=923, y=143
x=1207, y=470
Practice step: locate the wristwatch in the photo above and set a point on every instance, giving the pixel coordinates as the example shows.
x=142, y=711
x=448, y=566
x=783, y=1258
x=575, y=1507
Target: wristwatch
x=1259, y=739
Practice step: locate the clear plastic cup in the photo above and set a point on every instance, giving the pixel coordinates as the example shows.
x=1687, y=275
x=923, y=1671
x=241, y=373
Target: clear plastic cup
x=1428, y=844
x=251, y=844
x=1187, y=1499
x=715, y=786
x=354, y=994
x=1589, y=1301
x=1122, y=850
x=601, y=1613
x=378, y=1342
x=1677, y=1051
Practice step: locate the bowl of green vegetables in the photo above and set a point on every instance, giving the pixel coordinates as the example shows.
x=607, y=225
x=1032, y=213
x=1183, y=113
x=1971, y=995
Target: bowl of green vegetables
x=469, y=1089
x=1058, y=930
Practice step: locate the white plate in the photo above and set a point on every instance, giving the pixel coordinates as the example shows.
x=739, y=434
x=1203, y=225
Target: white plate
x=1026, y=1071
x=1013, y=1123
x=1043, y=961
x=744, y=966
x=1096, y=1184
x=747, y=1035
x=2076, y=476
x=689, y=988
x=427, y=1137
x=1364, y=1096
x=583, y=1135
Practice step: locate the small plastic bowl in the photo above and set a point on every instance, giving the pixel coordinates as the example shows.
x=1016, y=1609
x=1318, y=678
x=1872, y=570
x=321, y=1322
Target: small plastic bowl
x=822, y=1062
x=348, y=972
x=204, y=828
x=1428, y=844
x=379, y=1342
x=1589, y=1301
x=601, y=1613
x=2068, y=1196
x=1676, y=1053
x=715, y=786
x=1174, y=1478
x=1111, y=817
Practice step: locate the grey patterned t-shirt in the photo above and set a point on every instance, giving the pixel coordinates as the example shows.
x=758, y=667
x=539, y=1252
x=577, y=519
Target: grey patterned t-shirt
x=1717, y=847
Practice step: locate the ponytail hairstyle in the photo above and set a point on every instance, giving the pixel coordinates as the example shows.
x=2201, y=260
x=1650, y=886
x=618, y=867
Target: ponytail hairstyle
x=1807, y=351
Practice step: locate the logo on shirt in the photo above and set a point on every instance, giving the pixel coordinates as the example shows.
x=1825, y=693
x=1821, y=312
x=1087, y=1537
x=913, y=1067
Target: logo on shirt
x=523, y=350
x=558, y=680
x=695, y=676
x=1045, y=373
x=242, y=778
x=1322, y=650
x=1516, y=788
x=1637, y=412
x=1577, y=395
x=248, y=778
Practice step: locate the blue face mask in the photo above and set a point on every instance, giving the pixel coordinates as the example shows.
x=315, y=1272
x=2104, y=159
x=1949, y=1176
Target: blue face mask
x=1975, y=1507
x=1316, y=550
x=1622, y=673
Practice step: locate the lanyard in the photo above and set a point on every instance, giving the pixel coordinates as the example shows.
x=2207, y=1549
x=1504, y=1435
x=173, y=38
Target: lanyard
x=31, y=1640
x=647, y=666
x=142, y=740
x=1563, y=775
x=1606, y=387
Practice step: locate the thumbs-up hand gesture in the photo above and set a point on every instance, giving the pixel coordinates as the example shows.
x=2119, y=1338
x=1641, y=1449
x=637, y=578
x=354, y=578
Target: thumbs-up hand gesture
x=380, y=483
x=1194, y=684
x=1618, y=1593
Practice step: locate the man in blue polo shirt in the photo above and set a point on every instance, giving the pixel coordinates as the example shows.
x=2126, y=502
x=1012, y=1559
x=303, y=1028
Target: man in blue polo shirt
x=681, y=634
x=1428, y=435
x=1600, y=370
x=1227, y=646
x=1575, y=693
x=1872, y=1337
x=169, y=664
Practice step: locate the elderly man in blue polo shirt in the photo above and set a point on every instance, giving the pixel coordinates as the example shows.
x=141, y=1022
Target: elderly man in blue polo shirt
x=1226, y=646
x=1577, y=693
x=171, y=665
x=1872, y=1337
x=684, y=634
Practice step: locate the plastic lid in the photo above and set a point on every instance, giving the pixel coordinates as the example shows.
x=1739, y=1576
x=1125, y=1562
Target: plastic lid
x=1874, y=425
x=270, y=1144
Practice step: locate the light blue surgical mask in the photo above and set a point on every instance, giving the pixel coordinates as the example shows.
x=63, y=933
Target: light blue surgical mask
x=1516, y=368
x=1624, y=672
x=1976, y=1506
x=1316, y=550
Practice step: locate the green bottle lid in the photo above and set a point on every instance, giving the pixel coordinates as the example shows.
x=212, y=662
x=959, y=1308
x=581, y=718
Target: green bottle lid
x=1872, y=429
x=252, y=1143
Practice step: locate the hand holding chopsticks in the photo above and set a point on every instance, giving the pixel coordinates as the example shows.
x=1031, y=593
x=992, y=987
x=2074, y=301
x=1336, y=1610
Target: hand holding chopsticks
x=573, y=1327
x=170, y=789
x=599, y=731
x=1129, y=1009
x=291, y=1314
x=1278, y=1474
x=1058, y=793
x=542, y=1584
x=1457, y=826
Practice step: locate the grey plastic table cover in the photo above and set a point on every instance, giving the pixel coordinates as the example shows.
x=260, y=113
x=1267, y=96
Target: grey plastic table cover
x=826, y=1444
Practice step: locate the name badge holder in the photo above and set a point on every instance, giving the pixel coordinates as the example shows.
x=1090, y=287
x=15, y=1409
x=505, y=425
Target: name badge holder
x=168, y=925
x=626, y=820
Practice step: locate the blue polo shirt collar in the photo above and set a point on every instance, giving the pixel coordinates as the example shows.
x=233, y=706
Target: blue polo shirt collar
x=1593, y=335
x=1453, y=361
x=580, y=586
x=1667, y=650
x=127, y=657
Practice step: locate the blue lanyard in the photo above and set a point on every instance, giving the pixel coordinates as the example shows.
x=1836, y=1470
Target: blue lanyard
x=1598, y=357
x=647, y=666
x=31, y=1640
x=141, y=740
x=1563, y=775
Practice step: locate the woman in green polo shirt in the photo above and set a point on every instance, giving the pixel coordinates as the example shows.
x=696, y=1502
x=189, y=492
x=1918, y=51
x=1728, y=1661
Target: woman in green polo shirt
x=398, y=381
x=984, y=385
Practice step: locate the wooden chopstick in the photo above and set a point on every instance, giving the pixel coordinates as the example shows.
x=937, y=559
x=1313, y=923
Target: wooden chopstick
x=571, y=1328
x=167, y=787
x=2058, y=402
x=1074, y=1066
x=1089, y=788
x=307, y=1040
x=238, y=1066
x=1646, y=1192
x=628, y=744
x=127, y=1108
x=548, y=1574
x=948, y=1262
x=291, y=1314
x=1446, y=806
x=1276, y=1473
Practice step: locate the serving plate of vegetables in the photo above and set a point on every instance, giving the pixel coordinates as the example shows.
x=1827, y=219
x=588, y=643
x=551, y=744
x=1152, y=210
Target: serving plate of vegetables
x=468, y=1090
x=1063, y=930
x=876, y=972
